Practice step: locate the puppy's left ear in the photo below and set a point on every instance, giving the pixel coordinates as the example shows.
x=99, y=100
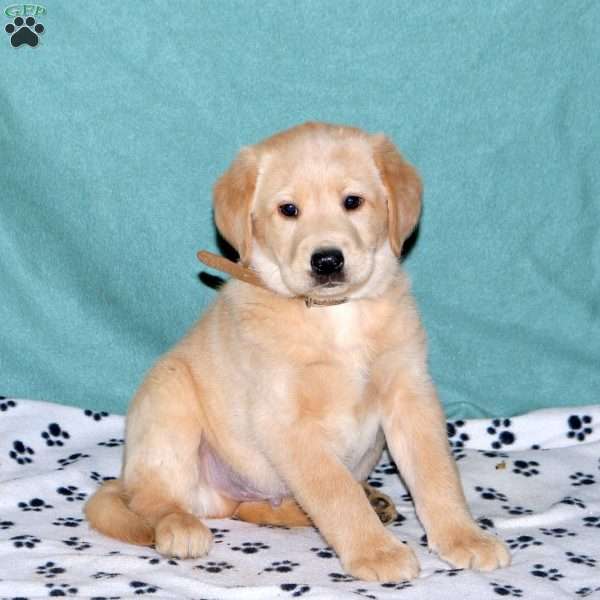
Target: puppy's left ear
x=233, y=195
x=404, y=188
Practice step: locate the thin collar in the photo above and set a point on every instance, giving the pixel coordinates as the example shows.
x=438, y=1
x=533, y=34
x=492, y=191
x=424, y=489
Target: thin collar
x=247, y=275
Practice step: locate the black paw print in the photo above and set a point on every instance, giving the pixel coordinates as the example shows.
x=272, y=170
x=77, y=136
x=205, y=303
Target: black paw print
x=388, y=468
x=499, y=427
x=95, y=476
x=72, y=458
x=542, y=571
x=325, y=552
x=579, y=427
x=572, y=502
x=486, y=524
x=517, y=510
x=21, y=453
x=522, y=542
x=586, y=591
x=456, y=437
x=448, y=572
x=25, y=541
x=376, y=482
x=6, y=524
x=97, y=416
x=35, y=505
x=526, y=467
x=493, y=453
x=49, y=570
x=591, y=522
x=105, y=575
x=282, y=566
x=214, y=567
x=490, y=494
x=295, y=589
x=155, y=560
x=61, y=589
x=580, y=478
x=364, y=593
x=71, y=493
x=580, y=559
x=557, y=532
x=399, y=520
x=218, y=534
x=24, y=32
x=341, y=577
x=503, y=589
x=402, y=585
x=250, y=547
x=77, y=544
x=67, y=522
x=140, y=587
x=112, y=442
x=54, y=435
x=6, y=404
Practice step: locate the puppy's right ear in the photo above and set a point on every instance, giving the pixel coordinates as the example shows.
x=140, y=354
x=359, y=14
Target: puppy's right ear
x=233, y=195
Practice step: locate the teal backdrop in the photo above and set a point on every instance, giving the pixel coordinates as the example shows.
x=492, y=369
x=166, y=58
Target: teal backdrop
x=114, y=128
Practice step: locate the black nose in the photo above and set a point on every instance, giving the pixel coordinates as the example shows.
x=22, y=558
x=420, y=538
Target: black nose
x=327, y=261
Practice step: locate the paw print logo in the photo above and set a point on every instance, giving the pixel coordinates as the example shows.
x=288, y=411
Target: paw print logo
x=526, y=468
x=34, y=505
x=25, y=541
x=500, y=429
x=71, y=493
x=579, y=427
x=503, y=589
x=250, y=547
x=49, y=570
x=214, y=567
x=325, y=552
x=542, y=571
x=54, y=435
x=24, y=32
x=21, y=453
x=282, y=566
x=580, y=478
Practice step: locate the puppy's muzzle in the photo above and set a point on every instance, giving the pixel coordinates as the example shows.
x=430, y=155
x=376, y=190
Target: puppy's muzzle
x=327, y=265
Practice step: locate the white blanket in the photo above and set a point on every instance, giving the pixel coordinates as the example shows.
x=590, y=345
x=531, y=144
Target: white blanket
x=532, y=480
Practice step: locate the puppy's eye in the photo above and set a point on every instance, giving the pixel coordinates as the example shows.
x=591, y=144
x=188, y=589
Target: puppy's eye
x=289, y=210
x=352, y=202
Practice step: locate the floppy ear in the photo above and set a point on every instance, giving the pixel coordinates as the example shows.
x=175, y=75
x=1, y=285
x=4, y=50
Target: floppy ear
x=403, y=186
x=232, y=195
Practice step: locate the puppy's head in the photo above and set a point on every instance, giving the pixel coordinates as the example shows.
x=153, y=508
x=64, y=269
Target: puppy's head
x=319, y=210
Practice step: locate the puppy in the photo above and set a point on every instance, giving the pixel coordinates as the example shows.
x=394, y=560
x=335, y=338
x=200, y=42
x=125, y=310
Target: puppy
x=279, y=401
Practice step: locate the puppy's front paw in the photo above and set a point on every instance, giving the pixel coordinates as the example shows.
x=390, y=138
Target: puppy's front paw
x=385, y=560
x=183, y=536
x=471, y=548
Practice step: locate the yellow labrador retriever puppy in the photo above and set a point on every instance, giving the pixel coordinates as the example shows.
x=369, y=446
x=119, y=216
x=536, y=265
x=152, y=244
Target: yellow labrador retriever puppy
x=287, y=388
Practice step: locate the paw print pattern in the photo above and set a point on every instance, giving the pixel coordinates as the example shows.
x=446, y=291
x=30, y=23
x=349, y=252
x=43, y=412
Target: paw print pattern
x=580, y=559
x=591, y=522
x=71, y=459
x=456, y=437
x=49, y=570
x=295, y=589
x=250, y=547
x=572, y=502
x=557, y=532
x=500, y=429
x=6, y=525
x=140, y=587
x=490, y=494
x=325, y=552
x=580, y=426
x=6, y=404
x=155, y=560
x=523, y=541
x=76, y=544
x=214, y=567
x=542, y=571
x=526, y=468
x=95, y=476
x=580, y=478
x=35, y=505
x=61, y=589
x=218, y=534
x=67, y=522
x=25, y=541
x=71, y=493
x=517, y=510
x=21, y=453
x=96, y=416
x=282, y=566
x=24, y=32
x=55, y=435
x=503, y=589
x=486, y=524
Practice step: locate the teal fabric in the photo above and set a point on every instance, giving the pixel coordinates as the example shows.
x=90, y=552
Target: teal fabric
x=114, y=128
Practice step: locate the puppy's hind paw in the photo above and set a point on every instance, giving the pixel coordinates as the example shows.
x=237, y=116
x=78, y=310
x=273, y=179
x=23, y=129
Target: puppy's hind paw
x=183, y=536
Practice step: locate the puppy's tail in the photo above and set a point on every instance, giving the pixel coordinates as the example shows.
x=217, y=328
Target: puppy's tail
x=107, y=512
